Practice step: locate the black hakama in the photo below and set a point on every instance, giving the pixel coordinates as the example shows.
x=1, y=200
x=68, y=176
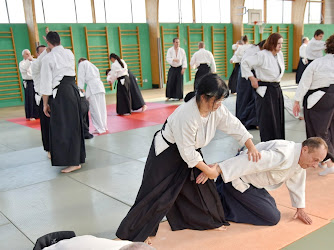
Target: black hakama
x=169, y=188
x=45, y=125
x=254, y=206
x=84, y=105
x=245, y=105
x=174, y=87
x=233, y=80
x=30, y=106
x=202, y=70
x=319, y=119
x=66, y=126
x=123, y=96
x=300, y=70
x=270, y=112
x=137, y=100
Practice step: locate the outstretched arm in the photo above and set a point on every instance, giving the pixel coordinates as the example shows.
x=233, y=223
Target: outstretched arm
x=302, y=215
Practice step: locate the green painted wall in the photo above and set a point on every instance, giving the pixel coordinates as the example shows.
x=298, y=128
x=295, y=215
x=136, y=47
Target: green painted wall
x=207, y=40
x=20, y=33
x=275, y=29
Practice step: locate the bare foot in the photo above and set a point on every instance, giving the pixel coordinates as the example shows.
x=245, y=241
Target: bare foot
x=222, y=228
x=143, y=109
x=167, y=99
x=181, y=99
x=70, y=169
x=32, y=119
x=301, y=118
x=49, y=155
x=148, y=241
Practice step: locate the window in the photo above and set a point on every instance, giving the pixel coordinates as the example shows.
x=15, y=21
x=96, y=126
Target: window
x=16, y=11
x=100, y=14
x=62, y=11
x=39, y=10
x=118, y=11
x=138, y=11
x=169, y=11
x=212, y=11
x=84, y=11
x=186, y=11
x=279, y=11
x=313, y=12
x=3, y=12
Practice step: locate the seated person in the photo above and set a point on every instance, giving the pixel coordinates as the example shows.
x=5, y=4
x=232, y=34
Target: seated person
x=243, y=184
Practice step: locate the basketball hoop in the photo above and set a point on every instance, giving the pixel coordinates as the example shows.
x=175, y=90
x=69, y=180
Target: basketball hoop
x=261, y=25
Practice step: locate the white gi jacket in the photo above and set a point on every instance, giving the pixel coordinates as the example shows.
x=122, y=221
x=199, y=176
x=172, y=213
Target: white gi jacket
x=318, y=74
x=278, y=165
x=25, y=69
x=302, y=52
x=203, y=56
x=268, y=68
x=185, y=127
x=55, y=65
x=117, y=71
x=88, y=73
x=314, y=49
x=36, y=75
x=238, y=54
x=181, y=55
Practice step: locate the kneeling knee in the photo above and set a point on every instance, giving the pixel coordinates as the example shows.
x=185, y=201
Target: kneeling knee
x=274, y=218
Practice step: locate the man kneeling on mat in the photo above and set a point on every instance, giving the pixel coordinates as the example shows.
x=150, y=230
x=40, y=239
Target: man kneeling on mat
x=243, y=184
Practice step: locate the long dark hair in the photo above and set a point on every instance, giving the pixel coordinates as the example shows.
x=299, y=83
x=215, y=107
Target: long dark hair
x=113, y=55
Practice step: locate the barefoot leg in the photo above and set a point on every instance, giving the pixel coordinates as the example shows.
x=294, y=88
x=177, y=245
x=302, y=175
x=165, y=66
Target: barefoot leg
x=70, y=169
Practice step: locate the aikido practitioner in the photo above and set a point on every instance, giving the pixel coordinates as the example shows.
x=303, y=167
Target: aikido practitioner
x=36, y=75
x=119, y=72
x=67, y=145
x=175, y=160
x=204, y=62
x=315, y=47
x=30, y=106
x=95, y=93
x=236, y=59
x=303, y=59
x=243, y=185
x=177, y=59
x=316, y=92
x=245, y=104
x=269, y=69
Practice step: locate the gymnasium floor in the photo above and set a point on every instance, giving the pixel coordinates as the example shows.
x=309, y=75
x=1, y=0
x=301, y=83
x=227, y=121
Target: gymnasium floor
x=36, y=198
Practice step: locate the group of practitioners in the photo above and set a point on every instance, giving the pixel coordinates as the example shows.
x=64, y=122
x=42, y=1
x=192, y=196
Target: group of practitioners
x=179, y=184
x=51, y=94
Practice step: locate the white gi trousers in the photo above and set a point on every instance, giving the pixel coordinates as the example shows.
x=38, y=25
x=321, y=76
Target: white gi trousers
x=98, y=111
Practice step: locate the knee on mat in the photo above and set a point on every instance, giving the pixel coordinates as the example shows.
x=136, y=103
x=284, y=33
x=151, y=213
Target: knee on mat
x=274, y=218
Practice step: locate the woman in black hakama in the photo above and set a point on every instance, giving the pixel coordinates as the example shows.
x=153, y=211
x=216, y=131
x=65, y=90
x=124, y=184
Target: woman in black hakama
x=169, y=181
x=137, y=100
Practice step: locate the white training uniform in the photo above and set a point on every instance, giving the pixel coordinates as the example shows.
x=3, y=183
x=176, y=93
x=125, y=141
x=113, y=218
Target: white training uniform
x=302, y=53
x=181, y=55
x=95, y=93
x=36, y=75
x=238, y=54
x=117, y=71
x=278, y=165
x=315, y=49
x=190, y=131
x=203, y=56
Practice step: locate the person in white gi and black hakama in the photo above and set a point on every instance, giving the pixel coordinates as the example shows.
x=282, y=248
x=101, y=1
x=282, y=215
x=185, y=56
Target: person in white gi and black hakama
x=204, y=62
x=95, y=93
x=67, y=145
x=119, y=72
x=30, y=106
x=177, y=59
x=269, y=69
x=316, y=91
x=243, y=185
x=303, y=59
x=44, y=120
x=245, y=104
x=315, y=47
x=175, y=160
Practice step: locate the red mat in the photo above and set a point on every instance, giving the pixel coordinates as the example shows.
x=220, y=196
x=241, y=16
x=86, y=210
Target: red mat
x=156, y=114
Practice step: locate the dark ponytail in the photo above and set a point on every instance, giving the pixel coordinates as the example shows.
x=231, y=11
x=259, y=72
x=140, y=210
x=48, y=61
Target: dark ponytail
x=211, y=85
x=113, y=55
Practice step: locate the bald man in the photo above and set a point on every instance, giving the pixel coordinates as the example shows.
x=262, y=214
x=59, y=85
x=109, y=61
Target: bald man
x=31, y=108
x=204, y=62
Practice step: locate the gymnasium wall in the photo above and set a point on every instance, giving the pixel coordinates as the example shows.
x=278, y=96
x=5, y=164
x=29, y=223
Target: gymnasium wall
x=309, y=30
